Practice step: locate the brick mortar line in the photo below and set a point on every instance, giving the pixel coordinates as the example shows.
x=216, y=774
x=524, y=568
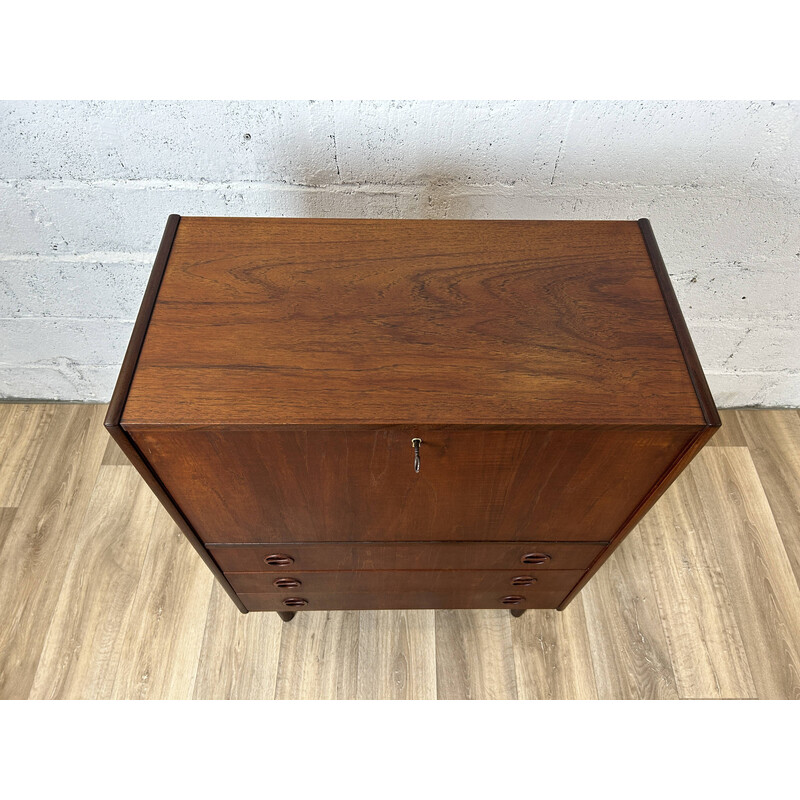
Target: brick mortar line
x=121, y=257
x=36, y=365
x=788, y=320
x=536, y=189
x=90, y=257
x=75, y=319
x=146, y=257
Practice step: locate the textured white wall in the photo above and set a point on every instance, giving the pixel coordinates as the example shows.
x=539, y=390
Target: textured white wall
x=85, y=189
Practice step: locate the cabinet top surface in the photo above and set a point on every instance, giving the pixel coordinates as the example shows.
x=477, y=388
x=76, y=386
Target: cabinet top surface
x=427, y=322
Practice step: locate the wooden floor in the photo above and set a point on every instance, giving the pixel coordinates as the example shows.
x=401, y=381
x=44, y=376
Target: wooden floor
x=101, y=597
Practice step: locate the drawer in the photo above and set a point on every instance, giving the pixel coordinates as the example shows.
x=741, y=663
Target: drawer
x=407, y=556
x=313, y=584
x=530, y=597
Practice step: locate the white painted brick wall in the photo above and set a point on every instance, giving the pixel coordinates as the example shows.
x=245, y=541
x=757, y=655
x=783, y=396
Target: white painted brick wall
x=85, y=189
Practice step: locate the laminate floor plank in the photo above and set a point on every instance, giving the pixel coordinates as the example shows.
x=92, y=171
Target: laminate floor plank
x=319, y=657
x=773, y=437
x=397, y=655
x=731, y=433
x=696, y=608
x=239, y=656
x=85, y=637
x=630, y=657
x=756, y=568
x=552, y=654
x=102, y=596
x=113, y=456
x=42, y=536
x=22, y=434
x=475, y=655
x=165, y=632
x=6, y=518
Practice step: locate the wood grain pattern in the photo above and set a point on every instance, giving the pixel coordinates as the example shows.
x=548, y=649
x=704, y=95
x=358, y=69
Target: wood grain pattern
x=407, y=555
x=296, y=486
x=239, y=656
x=22, y=434
x=159, y=659
x=545, y=597
x=731, y=433
x=87, y=630
x=315, y=584
x=773, y=438
x=6, y=519
x=138, y=460
x=36, y=550
x=552, y=655
x=756, y=569
x=696, y=608
x=319, y=657
x=680, y=463
x=545, y=367
x=114, y=456
x=131, y=359
x=718, y=511
x=120, y=396
x=626, y=635
x=698, y=378
x=474, y=656
x=436, y=322
x=396, y=655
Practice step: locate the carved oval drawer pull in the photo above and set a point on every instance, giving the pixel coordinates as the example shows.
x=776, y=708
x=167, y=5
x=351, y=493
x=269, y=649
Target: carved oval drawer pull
x=294, y=602
x=523, y=580
x=279, y=560
x=512, y=600
x=287, y=583
x=535, y=558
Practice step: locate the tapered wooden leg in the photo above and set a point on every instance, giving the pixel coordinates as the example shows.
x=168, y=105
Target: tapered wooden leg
x=286, y=615
x=517, y=612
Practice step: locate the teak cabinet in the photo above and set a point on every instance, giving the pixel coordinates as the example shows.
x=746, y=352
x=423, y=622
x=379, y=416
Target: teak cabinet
x=375, y=414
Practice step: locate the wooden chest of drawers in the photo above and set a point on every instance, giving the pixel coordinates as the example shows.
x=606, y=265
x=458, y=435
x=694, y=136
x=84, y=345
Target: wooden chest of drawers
x=369, y=414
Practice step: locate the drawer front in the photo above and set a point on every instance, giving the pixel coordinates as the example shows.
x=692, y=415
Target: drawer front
x=530, y=597
x=407, y=556
x=360, y=485
x=314, y=584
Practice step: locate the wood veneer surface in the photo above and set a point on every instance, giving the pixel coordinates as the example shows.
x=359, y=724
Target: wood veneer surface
x=356, y=485
x=365, y=322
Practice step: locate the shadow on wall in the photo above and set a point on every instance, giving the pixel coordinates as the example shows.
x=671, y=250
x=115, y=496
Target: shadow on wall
x=439, y=195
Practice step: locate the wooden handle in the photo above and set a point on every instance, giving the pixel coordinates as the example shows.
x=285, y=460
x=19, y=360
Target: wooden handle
x=523, y=580
x=535, y=558
x=287, y=583
x=294, y=602
x=279, y=560
x=512, y=600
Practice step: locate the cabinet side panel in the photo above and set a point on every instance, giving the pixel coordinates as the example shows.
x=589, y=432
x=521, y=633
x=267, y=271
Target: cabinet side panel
x=120, y=396
x=550, y=484
x=692, y=447
x=128, y=446
x=696, y=374
x=122, y=388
